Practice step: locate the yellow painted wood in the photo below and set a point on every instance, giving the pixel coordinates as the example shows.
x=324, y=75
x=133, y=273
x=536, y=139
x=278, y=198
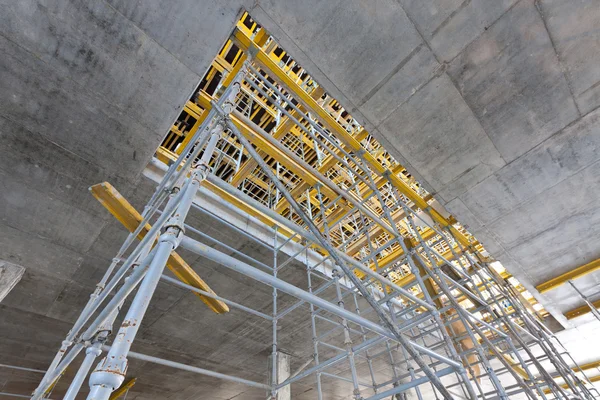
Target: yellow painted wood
x=579, y=311
x=565, y=386
x=120, y=392
x=271, y=67
x=567, y=276
x=124, y=212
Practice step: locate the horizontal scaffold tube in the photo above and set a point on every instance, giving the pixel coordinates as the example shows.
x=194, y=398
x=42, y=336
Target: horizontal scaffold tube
x=406, y=386
x=218, y=182
x=190, y=368
x=254, y=273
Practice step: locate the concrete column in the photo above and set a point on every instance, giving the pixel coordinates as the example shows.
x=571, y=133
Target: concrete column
x=283, y=373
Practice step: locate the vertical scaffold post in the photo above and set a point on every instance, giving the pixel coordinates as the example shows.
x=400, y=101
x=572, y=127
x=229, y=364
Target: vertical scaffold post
x=110, y=372
x=339, y=261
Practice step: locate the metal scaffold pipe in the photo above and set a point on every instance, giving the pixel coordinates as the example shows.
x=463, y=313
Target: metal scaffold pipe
x=273, y=158
x=252, y=272
x=349, y=274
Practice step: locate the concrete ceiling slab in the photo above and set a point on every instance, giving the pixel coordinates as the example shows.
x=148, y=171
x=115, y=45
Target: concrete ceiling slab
x=436, y=129
x=573, y=28
x=511, y=78
x=477, y=98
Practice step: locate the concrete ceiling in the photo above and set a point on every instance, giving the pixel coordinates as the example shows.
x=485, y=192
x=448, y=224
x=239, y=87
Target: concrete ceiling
x=492, y=104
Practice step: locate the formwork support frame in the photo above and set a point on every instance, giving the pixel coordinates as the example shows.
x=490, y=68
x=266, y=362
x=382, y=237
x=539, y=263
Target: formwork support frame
x=420, y=322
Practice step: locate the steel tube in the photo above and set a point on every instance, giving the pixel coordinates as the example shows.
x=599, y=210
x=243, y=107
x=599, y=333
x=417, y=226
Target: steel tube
x=254, y=273
x=52, y=376
x=232, y=226
x=409, y=385
x=111, y=370
x=123, y=270
x=130, y=284
x=229, y=248
x=90, y=355
x=202, y=371
x=332, y=361
x=177, y=282
x=14, y=395
x=309, y=236
x=22, y=368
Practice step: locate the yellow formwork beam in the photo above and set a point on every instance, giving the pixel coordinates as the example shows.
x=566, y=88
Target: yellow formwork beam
x=394, y=255
x=579, y=311
x=272, y=68
x=516, y=367
x=122, y=390
x=565, y=386
x=586, y=366
x=284, y=126
x=567, y=276
x=270, y=146
x=166, y=156
x=124, y=212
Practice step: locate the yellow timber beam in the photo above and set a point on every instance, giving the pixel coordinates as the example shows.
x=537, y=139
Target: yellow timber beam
x=264, y=142
x=394, y=255
x=567, y=276
x=284, y=126
x=584, y=367
x=579, y=311
x=278, y=151
x=124, y=212
x=565, y=386
x=329, y=162
x=246, y=43
x=167, y=157
x=122, y=390
x=355, y=247
x=590, y=365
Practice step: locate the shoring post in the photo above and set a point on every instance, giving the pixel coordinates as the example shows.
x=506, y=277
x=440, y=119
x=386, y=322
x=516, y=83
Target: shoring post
x=416, y=272
x=314, y=330
x=364, y=339
x=64, y=356
x=274, y=356
x=340, y=301
x=347, y=339
x=409, y=367
x=110, y=372
x=341, y=263
x=103, y=331
x=91, y=353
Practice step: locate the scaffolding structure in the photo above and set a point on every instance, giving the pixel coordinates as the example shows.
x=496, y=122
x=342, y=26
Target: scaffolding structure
x=393, y=284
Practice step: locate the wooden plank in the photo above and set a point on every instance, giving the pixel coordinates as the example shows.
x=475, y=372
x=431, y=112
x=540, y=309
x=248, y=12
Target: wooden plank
x=123, y=389
x=567, y=276
x=124, y=212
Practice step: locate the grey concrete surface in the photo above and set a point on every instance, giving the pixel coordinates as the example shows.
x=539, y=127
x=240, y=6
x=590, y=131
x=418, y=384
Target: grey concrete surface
x=491, y=104
x=10, y=275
